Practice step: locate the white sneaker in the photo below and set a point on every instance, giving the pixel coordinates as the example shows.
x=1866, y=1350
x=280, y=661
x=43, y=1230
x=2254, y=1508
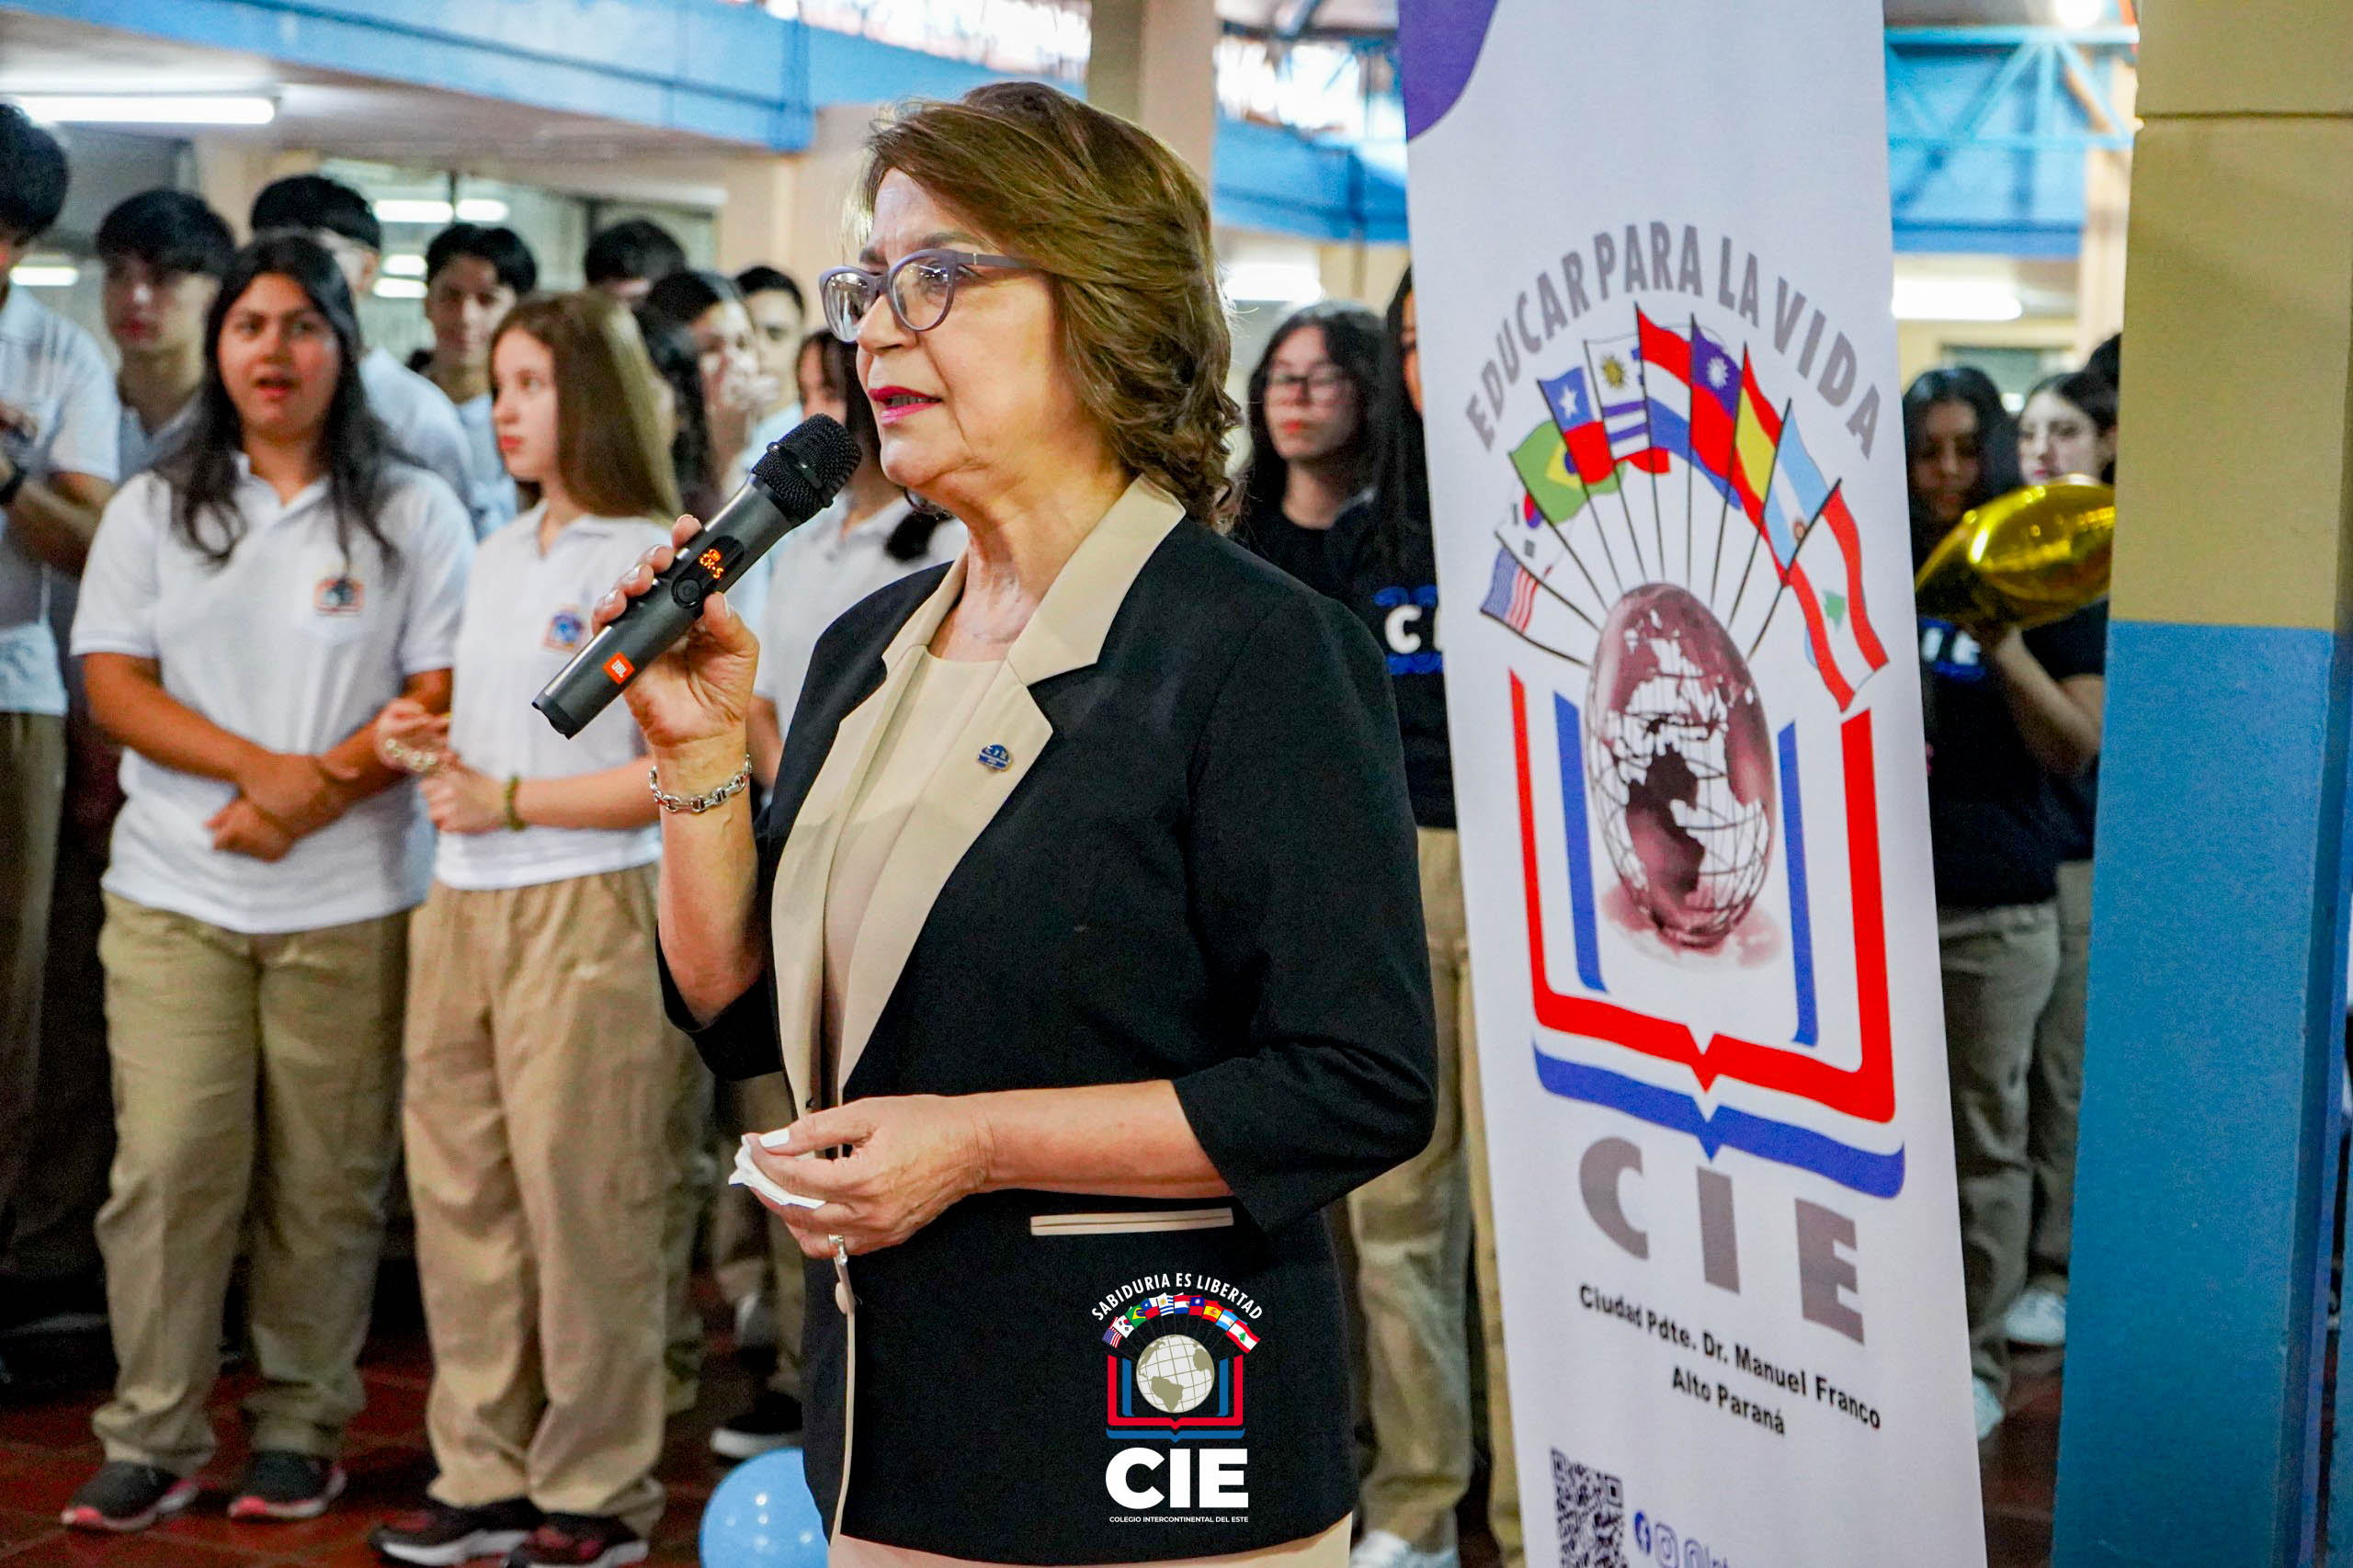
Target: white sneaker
x=2038, y=1317
x=1383, y=1548
x=1989, y=1407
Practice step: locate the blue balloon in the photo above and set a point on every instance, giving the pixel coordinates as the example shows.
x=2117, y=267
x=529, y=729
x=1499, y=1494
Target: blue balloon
x=762, y=1517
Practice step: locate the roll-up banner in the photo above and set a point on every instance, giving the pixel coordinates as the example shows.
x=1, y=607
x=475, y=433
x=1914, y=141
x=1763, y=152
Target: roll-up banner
x=1653, y=268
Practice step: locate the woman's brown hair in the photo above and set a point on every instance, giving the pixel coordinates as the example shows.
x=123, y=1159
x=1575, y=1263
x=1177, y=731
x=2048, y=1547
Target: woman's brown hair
x=610, y=444
x=1121, y=229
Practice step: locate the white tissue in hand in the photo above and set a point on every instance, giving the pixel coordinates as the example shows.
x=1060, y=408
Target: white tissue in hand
x=751, y=1176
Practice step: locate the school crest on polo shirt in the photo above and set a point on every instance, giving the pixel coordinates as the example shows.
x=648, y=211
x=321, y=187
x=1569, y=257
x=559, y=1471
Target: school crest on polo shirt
x=566, y=628
x=340, y=594
x=1174, y=1393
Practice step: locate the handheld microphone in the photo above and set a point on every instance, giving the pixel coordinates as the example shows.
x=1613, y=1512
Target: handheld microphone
x=794, y=481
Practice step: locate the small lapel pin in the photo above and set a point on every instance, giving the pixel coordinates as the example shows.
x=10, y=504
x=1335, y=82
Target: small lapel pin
x=995, y=758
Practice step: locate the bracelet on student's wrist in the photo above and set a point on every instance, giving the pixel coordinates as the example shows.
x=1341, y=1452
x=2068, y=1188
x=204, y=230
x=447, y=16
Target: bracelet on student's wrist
x=513, y=818
x=409, y=758
x=708, y=800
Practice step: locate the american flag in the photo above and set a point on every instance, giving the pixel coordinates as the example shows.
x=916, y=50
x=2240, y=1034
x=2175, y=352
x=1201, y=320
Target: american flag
x=1511, y=593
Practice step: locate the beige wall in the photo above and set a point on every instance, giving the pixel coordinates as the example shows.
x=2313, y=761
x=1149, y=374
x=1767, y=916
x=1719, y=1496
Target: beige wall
x=1923, y=344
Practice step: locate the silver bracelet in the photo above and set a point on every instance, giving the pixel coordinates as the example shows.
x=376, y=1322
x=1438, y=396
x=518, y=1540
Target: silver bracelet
x=708, y=799
x=409, y=758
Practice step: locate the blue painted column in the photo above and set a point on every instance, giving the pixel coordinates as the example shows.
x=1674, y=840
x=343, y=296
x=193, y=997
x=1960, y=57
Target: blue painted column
x=2196, y=1318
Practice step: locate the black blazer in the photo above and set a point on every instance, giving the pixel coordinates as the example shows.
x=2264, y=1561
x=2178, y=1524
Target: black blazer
x=1207, y=873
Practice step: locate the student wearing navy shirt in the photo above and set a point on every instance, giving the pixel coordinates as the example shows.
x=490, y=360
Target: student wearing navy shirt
x=2010, y=715
x=1414, y=1228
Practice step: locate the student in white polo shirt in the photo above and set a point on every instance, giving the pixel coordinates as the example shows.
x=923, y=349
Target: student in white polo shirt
x=251, y=606
x=542, y=1076
x=57, y=468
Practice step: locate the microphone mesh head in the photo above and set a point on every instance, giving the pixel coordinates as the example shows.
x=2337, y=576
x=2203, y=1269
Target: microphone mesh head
x=817, y=457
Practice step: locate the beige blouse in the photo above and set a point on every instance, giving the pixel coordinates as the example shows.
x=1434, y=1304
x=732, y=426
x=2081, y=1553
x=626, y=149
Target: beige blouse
x=940, y=697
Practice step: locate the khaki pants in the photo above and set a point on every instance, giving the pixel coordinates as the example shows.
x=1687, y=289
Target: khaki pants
x=541, y=1085
x=32, y=801
x=63, y=1183
x=2056, y=1086
x=1999, y=967
x=1415, y=1228
x=261, y=1067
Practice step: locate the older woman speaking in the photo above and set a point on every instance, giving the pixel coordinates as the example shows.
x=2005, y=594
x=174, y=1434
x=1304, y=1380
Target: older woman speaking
x=1085, y=919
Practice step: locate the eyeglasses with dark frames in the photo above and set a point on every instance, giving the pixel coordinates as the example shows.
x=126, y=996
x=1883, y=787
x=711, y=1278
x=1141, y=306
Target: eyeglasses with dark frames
x=920, y=286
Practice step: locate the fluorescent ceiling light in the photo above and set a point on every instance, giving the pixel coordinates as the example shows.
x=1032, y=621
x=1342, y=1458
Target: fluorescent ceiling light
x=404, y=266
x=411, y=209
x=1955, y=298
x=400, y=288
x=482, y=209
x=2077, y=13
x=1281, y=282
x=148, y=109
x=45, y=274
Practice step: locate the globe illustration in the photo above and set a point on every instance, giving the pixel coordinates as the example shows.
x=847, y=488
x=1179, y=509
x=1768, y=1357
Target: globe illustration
x=1681, y=764
x=1176, y=1373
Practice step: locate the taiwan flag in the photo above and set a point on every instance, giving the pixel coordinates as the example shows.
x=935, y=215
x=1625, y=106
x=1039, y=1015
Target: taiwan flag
x=1580, y=421
x=1715, y=406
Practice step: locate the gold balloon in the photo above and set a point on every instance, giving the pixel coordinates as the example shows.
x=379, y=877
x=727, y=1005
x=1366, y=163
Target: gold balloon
x=2029, y=558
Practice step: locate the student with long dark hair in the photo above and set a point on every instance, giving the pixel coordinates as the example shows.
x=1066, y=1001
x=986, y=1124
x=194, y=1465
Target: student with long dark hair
x=2067, y=426
x=253, y=603
x=1415, y=1227
x=1314, y=398
x=736, y=391
x=420, y=423
x=677, y=366
x=1960, y=447
x=534, y=1013
x=2010, y=715
x=671, y=350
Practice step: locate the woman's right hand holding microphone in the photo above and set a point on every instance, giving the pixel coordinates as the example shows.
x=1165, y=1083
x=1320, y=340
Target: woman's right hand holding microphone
x=691, y=702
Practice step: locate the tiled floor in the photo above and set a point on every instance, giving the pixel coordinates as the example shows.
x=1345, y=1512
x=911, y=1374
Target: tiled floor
x=46, y=1450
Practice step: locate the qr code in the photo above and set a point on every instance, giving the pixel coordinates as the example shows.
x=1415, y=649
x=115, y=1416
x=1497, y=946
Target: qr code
x=1591, y=1509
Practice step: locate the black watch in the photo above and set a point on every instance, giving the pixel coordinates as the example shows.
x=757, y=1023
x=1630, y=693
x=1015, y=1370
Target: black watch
x=18, y=474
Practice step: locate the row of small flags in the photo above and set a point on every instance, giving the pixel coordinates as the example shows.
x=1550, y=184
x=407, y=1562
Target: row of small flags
x=1654, y=395
x=1145, y=1309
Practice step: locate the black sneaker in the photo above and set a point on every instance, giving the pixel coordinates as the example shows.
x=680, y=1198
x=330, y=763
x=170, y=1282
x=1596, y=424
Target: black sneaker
x=773, y=1422
x=279, y=1484
x=126, y=1495
x=438, y=1534
x=578, y=1540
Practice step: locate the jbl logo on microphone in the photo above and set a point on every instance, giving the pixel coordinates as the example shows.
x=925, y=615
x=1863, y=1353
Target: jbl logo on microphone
x=620, y=668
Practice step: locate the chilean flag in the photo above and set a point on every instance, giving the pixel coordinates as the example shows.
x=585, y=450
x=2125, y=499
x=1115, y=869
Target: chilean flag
x=1581, y=427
